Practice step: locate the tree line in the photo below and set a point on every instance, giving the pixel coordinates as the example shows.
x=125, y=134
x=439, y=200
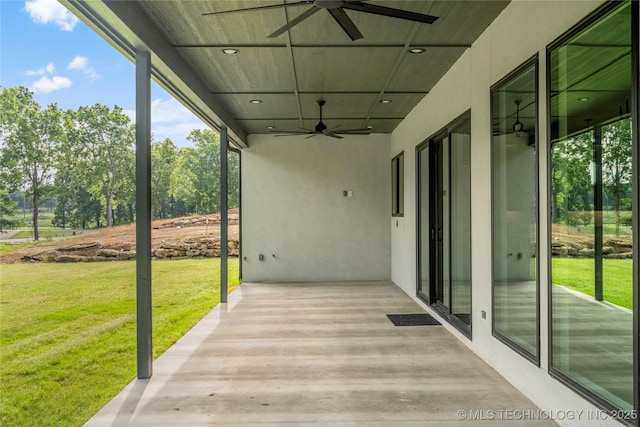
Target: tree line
x=84, y=159
x=574, y=176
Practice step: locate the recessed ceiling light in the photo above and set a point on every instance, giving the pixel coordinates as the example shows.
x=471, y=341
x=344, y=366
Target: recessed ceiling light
x=230, y=51
x=370, y=127
x=255, y=101
x=416, y=50
x=583, y=99
x=270, y=127
x=385, y=101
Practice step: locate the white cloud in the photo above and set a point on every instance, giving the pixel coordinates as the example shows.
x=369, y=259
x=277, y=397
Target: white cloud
x=78, y=63
x=48, y=85
x=45, y=11
x=81, y=63
x=170, y=119
x=49, y=68
x=170, y=110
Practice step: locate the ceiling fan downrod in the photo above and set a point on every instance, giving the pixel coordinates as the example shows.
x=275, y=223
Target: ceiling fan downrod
x=321, y=127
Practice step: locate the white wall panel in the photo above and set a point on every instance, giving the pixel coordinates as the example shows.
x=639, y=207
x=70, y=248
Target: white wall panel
x=293, y=207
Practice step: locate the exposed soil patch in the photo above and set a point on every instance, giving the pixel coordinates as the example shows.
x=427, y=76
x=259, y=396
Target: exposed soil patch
x=569, y=242
x=178, y=237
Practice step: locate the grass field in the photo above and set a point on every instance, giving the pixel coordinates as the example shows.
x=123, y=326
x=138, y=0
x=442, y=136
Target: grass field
x=10, y=247
x=45, y=229
x=578, y=274
x=67, y=332
x=43, y=233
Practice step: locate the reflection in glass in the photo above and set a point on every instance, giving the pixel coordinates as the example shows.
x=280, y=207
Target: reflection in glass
x=423, y=221
x=592, y=270
x=460, y=229
x=515, y=286
x=397, y=185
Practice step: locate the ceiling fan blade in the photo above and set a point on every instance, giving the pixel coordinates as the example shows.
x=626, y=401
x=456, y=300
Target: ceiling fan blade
x=360, y=130
x=272, y=6
x=293, y=22
x=329, y=134
x=388, y=11
x=292, y=132
x=346, y=23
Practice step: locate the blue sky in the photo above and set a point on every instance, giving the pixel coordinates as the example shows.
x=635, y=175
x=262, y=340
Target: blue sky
x=45, y=48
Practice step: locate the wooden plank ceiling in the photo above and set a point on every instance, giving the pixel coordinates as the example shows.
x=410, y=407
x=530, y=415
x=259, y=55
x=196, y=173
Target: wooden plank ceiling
x=313, y=60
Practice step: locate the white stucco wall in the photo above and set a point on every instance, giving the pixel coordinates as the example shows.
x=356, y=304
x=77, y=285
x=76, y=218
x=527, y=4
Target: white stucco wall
x=294, y=212
x=523, y=30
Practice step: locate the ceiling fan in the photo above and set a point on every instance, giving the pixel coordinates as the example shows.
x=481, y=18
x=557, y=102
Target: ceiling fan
x=336, y=9
x=321, y=129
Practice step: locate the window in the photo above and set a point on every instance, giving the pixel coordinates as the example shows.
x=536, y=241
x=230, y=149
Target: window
x=592, y=240
x=515, y=211
x=397, y=185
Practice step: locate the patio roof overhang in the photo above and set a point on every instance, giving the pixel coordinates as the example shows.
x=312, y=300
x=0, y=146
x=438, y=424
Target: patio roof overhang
x=178, y=46
x=289, y=73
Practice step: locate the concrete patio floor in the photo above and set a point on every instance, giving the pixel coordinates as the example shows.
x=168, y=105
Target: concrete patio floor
x=317, y=354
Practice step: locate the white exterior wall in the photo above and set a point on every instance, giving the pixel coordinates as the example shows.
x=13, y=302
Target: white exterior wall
x=524, y=29
x=293, y=207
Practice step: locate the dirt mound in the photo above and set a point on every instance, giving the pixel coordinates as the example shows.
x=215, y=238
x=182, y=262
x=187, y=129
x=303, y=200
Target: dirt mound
x=181, y=235
x=571, y=242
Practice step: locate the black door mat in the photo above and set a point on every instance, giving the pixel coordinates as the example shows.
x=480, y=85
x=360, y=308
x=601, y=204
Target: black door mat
x=421, y=319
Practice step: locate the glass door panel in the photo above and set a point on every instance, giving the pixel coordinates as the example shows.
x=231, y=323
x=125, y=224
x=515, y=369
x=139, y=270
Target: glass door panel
x=440, y=213
x=460, y=226
x=424, y=228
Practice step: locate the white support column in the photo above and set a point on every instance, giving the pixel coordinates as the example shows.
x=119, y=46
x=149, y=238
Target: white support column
x=224, y=216
x=143, y=213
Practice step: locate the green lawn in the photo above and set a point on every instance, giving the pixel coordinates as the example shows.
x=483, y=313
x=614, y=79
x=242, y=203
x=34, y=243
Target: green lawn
x=67, y=331
x=24, y=218
x=43, y=233
x=10, y=247
x=578, y=274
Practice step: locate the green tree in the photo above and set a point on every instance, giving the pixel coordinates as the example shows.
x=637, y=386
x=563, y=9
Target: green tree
x=164, y=156
x=571, y=186
x=65, y=184
x=616, y=163
x=30, y=140
x=125, y=193
x=103, y=141
x=64, y=188
x=202, y=179
x=207, y=170
x=182, y=185
x=85, y=209
x=233, y=173
x=7, y=206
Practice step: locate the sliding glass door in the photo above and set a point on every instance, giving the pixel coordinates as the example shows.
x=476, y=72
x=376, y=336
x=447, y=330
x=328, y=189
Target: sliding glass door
x=444, y=222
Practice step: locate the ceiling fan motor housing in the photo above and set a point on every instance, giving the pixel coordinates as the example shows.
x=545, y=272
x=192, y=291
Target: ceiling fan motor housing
x=321, y=127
